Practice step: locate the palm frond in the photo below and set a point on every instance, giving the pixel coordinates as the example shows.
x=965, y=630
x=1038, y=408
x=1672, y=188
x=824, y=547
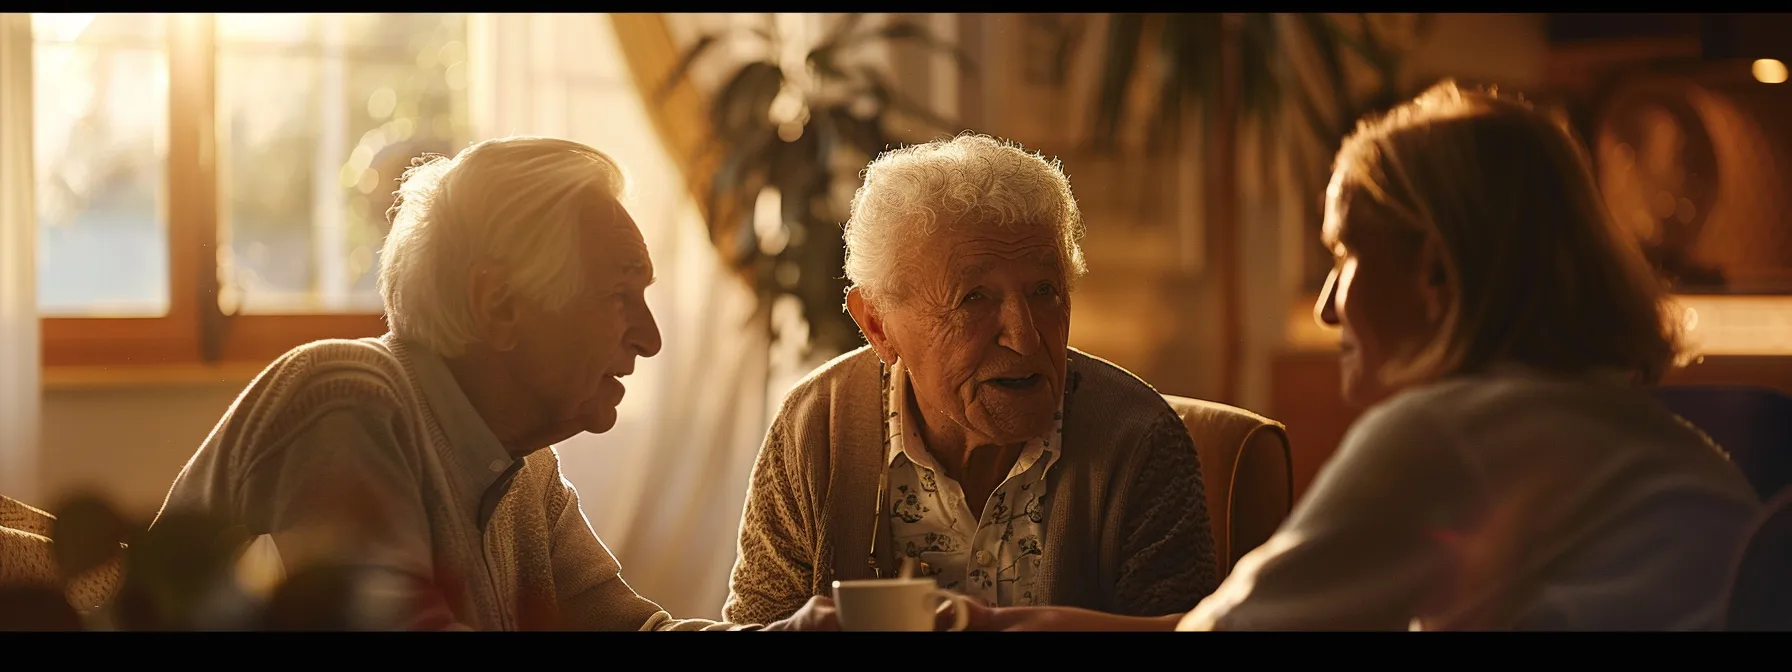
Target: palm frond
x=683, y=66
x=703, y=45
x=744, y=103
x=908, y=31
x=1119, y=66
x=892, y=99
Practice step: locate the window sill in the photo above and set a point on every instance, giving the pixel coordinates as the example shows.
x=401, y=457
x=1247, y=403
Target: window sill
x=147, y=376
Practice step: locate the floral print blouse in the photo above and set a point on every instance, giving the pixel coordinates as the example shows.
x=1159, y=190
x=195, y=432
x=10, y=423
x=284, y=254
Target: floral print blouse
x=993, y=557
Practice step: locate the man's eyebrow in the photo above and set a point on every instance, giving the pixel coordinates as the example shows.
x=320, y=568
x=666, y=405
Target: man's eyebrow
x=637, y=269
x=970, y=272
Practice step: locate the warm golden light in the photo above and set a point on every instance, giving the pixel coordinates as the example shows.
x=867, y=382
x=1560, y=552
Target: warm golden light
x=1769, y=71
x=59, y=27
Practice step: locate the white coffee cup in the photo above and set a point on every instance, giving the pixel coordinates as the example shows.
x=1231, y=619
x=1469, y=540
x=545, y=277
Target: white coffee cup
x=896, y=605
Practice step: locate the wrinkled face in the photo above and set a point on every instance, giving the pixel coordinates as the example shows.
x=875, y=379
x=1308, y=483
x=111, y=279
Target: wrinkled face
x=1375, y=293
x=573, y=357
x=982, y=325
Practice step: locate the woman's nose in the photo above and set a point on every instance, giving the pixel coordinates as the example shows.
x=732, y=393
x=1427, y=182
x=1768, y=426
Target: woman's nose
x=1326, y=311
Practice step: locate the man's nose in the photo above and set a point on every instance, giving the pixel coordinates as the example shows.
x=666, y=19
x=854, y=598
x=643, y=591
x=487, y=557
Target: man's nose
x=1018, y=332
x=644, y=332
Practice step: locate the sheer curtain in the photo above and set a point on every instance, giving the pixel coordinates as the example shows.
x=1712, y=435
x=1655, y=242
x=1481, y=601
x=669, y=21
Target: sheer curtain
x=664, y=488
x=19, y=392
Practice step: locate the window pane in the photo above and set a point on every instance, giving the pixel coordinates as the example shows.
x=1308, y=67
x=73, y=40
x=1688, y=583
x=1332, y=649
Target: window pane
x=100, y=87
x=319, y=115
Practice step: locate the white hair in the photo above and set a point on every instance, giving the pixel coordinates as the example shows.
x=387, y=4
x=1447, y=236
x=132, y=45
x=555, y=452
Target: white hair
x=513, y=201
x=968, y=181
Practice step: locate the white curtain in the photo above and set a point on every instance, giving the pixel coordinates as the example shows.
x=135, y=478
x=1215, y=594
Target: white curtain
x=664, y=489
x=19, y=391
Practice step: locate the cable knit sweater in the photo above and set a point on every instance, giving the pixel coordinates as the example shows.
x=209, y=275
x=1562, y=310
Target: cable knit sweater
x=1126, y=530
x=368, y=452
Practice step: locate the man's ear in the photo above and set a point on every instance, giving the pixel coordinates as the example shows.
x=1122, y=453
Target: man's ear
x=1434, y=279
x=493, y=307
x=871, y=323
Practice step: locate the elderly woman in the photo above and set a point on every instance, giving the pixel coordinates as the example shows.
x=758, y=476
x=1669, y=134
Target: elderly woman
x=514, y=281
x=1512, y=473
x=968, y=436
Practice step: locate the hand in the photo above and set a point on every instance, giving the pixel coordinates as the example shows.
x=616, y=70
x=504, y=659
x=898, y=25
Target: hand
x=1061, y=619
x=816, y=615
x=1016, y=619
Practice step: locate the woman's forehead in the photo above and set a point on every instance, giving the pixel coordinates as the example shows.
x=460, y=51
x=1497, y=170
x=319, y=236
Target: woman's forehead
x=1336, y=202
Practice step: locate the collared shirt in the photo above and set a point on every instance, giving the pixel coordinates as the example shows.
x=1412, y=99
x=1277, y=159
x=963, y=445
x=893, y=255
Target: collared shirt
x=483, y=465
x=995, y=557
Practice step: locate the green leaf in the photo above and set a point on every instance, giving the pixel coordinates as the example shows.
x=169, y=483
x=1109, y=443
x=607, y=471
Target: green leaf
x=1260, y=91
x=691, y=55
x=893, y=100
x=736, y=175
x=1323, y=33
x=908, y=31
x=1119, y=59
x=837, y=35
x=744, y=103
x=746, y=239
x=865, y=135
x=683, y=67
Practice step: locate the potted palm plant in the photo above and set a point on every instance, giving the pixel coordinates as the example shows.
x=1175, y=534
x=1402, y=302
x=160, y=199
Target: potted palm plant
x=790, y=139
x=1235, y=68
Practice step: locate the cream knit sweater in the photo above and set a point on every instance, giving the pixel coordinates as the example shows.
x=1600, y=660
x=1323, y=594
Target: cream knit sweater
x=367, y=452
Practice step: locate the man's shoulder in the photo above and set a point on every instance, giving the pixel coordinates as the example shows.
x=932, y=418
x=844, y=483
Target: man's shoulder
x=361, y=376
x=1107, y=396
x=358, y=367
x=1098, y=376
x=851, y=378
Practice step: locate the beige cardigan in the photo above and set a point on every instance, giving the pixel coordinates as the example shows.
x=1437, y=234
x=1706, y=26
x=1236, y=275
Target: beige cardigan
x=375, y=437
x=1127, y=530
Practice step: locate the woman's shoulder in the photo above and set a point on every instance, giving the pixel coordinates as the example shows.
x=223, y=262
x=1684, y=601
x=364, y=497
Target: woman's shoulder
x=1499, y=403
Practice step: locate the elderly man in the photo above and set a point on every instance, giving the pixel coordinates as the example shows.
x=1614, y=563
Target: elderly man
x=514, y=285
x=967, y=438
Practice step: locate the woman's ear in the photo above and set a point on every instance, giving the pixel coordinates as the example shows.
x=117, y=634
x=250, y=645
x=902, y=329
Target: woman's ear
x=1434, y=281
x=871, y=323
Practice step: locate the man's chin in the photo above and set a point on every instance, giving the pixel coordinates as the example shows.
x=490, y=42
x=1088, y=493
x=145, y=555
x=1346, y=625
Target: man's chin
x=601, y=421
x=1033, y=426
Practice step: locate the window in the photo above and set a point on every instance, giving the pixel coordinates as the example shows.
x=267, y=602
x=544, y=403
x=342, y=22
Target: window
x=214, y=187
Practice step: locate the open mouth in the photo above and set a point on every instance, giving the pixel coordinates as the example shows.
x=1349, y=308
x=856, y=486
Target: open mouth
x=1020, y=383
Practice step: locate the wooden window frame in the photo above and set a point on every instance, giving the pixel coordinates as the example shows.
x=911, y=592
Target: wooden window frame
x=195, y=330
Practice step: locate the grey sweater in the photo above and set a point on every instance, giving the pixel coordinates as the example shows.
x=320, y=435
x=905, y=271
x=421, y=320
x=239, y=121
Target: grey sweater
x=1510, y=500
